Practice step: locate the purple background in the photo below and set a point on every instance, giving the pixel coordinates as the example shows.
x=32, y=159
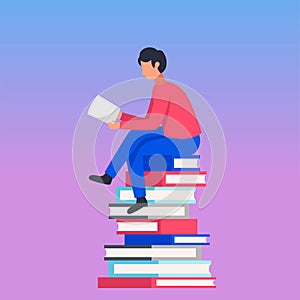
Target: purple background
x=242, y=56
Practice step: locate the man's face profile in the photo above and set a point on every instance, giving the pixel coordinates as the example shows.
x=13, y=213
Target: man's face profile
x=149, y=71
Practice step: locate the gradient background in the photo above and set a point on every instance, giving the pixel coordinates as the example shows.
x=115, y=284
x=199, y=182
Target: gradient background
x=242, y=56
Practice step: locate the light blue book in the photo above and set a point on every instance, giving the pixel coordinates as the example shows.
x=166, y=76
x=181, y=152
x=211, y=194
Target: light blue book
x=159, y=268
x=164, y=195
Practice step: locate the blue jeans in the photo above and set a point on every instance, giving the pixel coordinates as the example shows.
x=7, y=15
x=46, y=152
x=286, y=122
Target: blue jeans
x=139, y=146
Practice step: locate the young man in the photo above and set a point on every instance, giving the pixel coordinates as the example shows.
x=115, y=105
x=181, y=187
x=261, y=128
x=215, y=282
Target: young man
x=178, y=135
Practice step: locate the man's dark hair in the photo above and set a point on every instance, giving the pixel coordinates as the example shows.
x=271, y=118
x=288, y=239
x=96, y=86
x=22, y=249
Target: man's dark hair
x=154, y=55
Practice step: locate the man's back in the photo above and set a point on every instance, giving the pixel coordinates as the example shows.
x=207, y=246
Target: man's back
x=180, y=119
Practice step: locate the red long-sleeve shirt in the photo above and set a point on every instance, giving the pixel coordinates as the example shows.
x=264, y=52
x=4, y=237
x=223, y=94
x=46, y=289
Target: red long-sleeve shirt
x=169, y=107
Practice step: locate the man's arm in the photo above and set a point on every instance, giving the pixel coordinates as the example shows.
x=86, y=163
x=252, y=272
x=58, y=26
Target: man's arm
x=127, y=117
x=156, y=113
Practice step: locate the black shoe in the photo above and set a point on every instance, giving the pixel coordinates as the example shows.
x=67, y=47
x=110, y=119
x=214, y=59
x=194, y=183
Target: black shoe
x=105, y=179
x=141, y=200
x=136, y=207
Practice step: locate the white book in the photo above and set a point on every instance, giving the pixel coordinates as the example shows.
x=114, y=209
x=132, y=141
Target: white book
x=185, y=178
x=190, y=239
x=152, y=211
x=182, y=282
x=152, y=252
x=138, y=226
x=103, y=110
x=186, y=163
x=160, y=194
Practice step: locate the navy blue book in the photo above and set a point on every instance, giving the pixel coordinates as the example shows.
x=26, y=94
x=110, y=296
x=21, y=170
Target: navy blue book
x=166, y=239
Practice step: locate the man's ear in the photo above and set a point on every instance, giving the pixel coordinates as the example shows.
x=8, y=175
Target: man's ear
x=157, y=64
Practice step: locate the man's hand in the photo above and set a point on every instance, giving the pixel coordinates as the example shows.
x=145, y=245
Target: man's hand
x=114, y=125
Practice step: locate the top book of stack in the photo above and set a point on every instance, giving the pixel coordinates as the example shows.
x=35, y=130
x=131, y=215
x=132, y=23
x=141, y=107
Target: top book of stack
x=180, y=172
x=171, y=163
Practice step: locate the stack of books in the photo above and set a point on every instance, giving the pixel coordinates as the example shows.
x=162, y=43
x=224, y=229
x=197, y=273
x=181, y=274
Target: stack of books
x=162, y=247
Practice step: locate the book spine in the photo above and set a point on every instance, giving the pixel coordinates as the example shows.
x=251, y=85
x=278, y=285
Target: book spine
x=188, y=226
x=108, y=282
x=159, y=179
x=137, y=282
x=157, y=269
x=150, y=180
x=153, y=211
x=167, y=160
x=169, y=226
x=157, y=239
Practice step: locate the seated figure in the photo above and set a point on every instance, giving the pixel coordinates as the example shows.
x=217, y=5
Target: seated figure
x=170, y=128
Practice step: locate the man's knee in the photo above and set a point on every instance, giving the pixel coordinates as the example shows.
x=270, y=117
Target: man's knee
x=137, y=145
x=130, y=138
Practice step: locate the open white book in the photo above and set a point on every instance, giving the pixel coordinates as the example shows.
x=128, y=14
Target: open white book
x=103, y=110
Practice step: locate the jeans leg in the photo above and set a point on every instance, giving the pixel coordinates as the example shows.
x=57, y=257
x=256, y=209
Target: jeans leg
x=122, y=154
x=147, y=145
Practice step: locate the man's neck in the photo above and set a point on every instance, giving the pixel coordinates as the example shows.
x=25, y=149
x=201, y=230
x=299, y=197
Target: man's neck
x=160, y=79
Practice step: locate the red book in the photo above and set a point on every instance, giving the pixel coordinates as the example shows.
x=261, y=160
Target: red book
x=172, y=178
x=185, y=282
x=162, y=226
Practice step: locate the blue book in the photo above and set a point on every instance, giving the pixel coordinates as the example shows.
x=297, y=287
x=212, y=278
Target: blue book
x=159, y=268
x=166, y=239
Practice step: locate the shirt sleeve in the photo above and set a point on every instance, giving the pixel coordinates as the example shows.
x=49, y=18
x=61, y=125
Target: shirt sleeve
x=127, y=117
x=156, y=112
